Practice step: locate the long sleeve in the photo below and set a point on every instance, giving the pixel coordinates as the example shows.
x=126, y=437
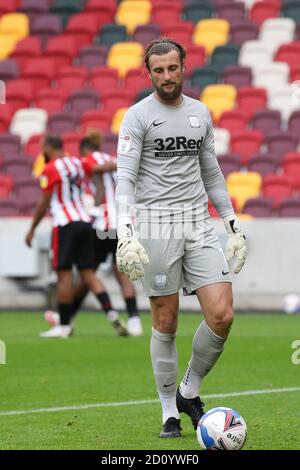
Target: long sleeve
x=212, y=176
x=129, y=154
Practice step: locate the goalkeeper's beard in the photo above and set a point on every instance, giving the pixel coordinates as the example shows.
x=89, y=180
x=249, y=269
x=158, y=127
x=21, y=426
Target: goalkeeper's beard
x=169, y=96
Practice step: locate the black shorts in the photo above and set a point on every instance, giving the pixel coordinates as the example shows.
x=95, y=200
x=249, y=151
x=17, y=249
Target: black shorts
x=73, y=244
x=104, y=246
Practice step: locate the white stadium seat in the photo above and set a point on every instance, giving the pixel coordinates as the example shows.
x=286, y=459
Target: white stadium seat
x=28, y=122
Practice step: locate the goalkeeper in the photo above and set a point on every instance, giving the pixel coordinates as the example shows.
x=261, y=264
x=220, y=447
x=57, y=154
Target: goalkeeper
x=167, y=170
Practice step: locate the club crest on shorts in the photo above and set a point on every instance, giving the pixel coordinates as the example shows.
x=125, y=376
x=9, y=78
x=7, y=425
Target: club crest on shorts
x=194, y=121
x=160, y=280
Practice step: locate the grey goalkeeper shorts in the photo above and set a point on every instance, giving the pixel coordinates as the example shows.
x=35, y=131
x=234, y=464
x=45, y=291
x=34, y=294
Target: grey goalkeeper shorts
x=179, y=259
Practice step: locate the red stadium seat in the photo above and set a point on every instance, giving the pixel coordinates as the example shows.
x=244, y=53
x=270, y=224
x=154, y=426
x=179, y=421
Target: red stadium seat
x=9, y=208
x=9, y=6
x=82, y=100
x=291, y=166
x=26, y=50
x=39, y=71
x=96, y=119
x=137, y=79
x=104, y=79
x=233, y=121
x=82, y=27
x=33, y=145
x=196, y=57
x=163, y=14
x=62, y=48
x=50, y=99
x=71, y=142
x=289, y=53
x=116, y=99
x=294, y=72
x=6, y=184
x=6, y=113
x=246, y=144
x=46, y=26
x=261, y=11
x=251, y=99
x=181, y=32
x=19, y=93
x=104, y=11
x=277, y=188
x=69, y=78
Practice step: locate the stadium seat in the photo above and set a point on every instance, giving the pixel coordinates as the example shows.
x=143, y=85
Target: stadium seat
x=289, y=207
x=197, y=11
x=261, y=11
x=243, y=186
x=231, y=11
x=62, y=121
x=219, y=98
x=125, y=56
x=191, y=91
x=19, y=93
x=9, y=208
x=104, y=12
x=284, y=99
x=15, y=24
x=223, y=56
x=294, y=72
x=136, y=79
x=9, y=6
x=145, y=33
x=291, y=9
x=271, y=76
x=277, y=31
x=243, y=31
x=266, y=121
x=39, y=71
x=233, y=121
x=229, y=163
x=82, y=100
x=211, y=33
x=62, y=48
x=82, y=27
x=69, y=78
x=264, y=164
x=259, y=207
x=27, y=189
x=195, y=58
x=49, y=99
x=8, y=69
x=204, y=76
x=27, y=122
x=7, y=44
x=46, y=26
x=255, y=53
x=294, y=122
x=291, y=166
x=180, y=32
x=282, y=142
x=33, y=145
x=110, y=143
x=6, y=113
x=6, y=184
x=132, y=13
x=251, y=99
x=71, y=142
x=289, y=53
x=117, y=119
x=10, y=146
x=93, y=56
x=96, y=119
x=104, y=79
x=163, y=14
x=115, y=99
x=237, y=76
x=32, y=8
x=66, y=8
x=18, y=168
x=222, y=139
x=26, y=50
x=277, y=188
x=111, y=34
x=297, y=34
x=246, y=144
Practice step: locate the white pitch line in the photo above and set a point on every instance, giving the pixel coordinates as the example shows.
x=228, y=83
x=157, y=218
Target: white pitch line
x=144, y=402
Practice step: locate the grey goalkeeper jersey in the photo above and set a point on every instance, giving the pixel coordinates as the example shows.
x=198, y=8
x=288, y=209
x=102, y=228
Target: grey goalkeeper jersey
x=167, y=162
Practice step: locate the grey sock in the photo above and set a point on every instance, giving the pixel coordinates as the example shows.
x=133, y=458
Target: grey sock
x=207, y=347
x=164, y=361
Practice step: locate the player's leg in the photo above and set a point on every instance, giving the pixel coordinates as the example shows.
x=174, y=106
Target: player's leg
x=164, y=359
x=134, y=323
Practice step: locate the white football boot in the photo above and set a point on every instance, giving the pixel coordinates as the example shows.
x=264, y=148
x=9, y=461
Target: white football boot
x=58, y=331
x=134, y=326
x=120, y=327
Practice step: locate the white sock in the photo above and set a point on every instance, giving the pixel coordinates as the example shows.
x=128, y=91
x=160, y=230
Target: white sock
x=168, y=405
x=189, y=387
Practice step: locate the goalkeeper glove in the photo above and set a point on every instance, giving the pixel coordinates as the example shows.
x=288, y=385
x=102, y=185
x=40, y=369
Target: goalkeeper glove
x=131, y=255
x=236, y=245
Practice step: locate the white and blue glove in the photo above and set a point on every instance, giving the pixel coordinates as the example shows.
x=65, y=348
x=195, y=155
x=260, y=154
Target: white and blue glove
x=131, y=255
x=236, y=245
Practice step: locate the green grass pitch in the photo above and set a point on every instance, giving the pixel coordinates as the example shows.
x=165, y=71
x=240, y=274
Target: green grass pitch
x=96, y=367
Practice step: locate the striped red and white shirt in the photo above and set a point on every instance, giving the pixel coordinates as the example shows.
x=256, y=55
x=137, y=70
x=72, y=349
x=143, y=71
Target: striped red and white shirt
x=64, y=178
x=108, y=204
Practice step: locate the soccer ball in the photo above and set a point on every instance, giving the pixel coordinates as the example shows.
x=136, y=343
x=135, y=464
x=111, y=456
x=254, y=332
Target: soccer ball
x=221, y=429
x=291, y=303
